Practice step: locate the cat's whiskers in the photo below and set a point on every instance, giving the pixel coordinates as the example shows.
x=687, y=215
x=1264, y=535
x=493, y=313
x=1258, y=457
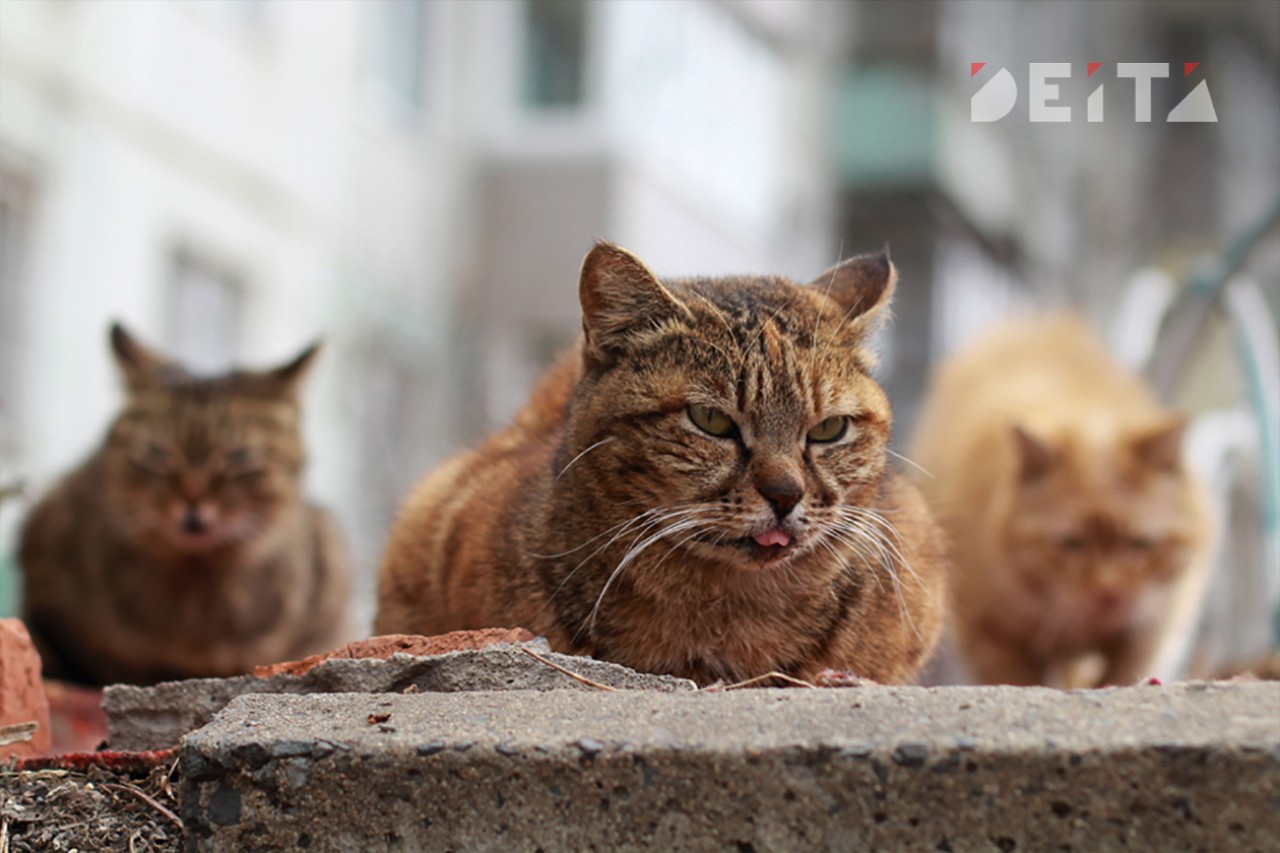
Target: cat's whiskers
x=817, y=323
x=661, y=513
x=636, y=549
x=888, y=534
x=599, y=535
x=910, y=462
x=867, y=551
x=858, y=522
x=831, y=530
x=599, y=443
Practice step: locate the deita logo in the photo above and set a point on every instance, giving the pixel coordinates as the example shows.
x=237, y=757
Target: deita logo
x=999, y=94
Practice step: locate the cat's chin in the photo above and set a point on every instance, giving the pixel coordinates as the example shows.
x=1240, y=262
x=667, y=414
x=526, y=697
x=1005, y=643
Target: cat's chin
x=207, y=544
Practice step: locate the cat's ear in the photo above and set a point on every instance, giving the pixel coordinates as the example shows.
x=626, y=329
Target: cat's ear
x=862, y=286
x=621, y=299
x=141, y=366
x=1035, y=456
x=286, y=379
x=1161, y=448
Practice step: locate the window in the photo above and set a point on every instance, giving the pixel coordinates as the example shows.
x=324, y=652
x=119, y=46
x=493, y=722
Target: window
x=555, y=51
x=204, y=312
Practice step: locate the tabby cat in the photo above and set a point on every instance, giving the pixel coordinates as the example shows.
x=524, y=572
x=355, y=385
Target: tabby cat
x=182, y=546
x=700, y=488
x=1079, y=540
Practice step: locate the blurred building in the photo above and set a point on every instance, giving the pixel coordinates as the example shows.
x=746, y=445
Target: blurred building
x=417, y=182
x=1014, y=214
x=414, y=182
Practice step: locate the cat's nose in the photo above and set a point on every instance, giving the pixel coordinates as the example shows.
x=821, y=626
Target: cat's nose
x=782, y=493
x=197, y=519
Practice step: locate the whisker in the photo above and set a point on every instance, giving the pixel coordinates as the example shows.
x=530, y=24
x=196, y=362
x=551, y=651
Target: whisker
x=599, y=443
x=817, y=324
x=911, y=462
x=632, y=553
x=644, y=528
x=857, y=524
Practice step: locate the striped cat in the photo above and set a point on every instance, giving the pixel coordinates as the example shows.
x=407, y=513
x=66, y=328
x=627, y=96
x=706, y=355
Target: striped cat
x=700, y=488
x=183, y=546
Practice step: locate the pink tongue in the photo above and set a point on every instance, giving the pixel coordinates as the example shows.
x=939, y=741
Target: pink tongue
x=772, y=537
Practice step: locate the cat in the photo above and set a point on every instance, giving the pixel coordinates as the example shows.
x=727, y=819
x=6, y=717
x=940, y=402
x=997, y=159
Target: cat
x=699, y=488
x=1079, y=540
x=183, y=547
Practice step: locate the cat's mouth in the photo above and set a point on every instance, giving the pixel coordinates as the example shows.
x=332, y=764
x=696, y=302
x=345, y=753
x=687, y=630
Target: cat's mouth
x=768, y=546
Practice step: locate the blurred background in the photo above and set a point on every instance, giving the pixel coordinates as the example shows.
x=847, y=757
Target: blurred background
x=416, y=182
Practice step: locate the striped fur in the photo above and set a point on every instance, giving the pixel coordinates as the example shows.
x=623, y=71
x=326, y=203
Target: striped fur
x=606, y=520
x=183, y=546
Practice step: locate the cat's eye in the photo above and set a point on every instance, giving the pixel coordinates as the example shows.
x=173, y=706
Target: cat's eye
x=152, y=458
x=712, y=421
x=242, y=463
x=832, y=429
x=1072, y=543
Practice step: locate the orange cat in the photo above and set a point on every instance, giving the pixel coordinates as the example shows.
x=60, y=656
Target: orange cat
x=699, y=489
x=1078, y=539
x=183, y=546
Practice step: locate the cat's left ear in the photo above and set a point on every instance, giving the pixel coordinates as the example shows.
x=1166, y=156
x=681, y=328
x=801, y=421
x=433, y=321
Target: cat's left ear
x=862, y=286
x=1161, y=448
x=287, y=379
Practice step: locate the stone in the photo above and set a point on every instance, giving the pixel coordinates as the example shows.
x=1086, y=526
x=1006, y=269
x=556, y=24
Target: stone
x=147, y=718
x=385, y=646
x=22, y=696
x=886, y=768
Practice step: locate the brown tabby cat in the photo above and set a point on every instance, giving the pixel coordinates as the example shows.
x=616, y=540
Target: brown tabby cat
x=183, y=547
x=698, y=489
x=1078, y=539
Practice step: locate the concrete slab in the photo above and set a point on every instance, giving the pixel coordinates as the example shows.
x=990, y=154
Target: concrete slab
x=156, y=717
x=1188, y=767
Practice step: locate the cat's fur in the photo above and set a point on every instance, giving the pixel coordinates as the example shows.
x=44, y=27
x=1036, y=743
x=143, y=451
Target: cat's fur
x=183, y=546
x=1078, y=539
x=607, y=521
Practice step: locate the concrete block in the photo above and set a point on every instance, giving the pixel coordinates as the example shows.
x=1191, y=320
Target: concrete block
x=1187, y=767
x=22, y=696
x=147, y=718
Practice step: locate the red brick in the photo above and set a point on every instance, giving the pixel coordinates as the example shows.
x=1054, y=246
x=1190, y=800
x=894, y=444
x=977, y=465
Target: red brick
x=22, y=697
x=410, y=644
x=77, y=722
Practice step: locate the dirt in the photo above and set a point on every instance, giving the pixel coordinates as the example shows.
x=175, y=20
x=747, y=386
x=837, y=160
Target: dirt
x=93, y=808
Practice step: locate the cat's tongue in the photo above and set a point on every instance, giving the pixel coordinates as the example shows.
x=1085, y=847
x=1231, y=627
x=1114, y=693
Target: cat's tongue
x=773, y=536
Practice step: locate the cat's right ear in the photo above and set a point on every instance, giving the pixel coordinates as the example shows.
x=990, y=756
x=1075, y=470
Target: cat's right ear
x=139, y=365
x=621, y=301
x=1035, y=456
x=286, y=380
x=863, y=286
